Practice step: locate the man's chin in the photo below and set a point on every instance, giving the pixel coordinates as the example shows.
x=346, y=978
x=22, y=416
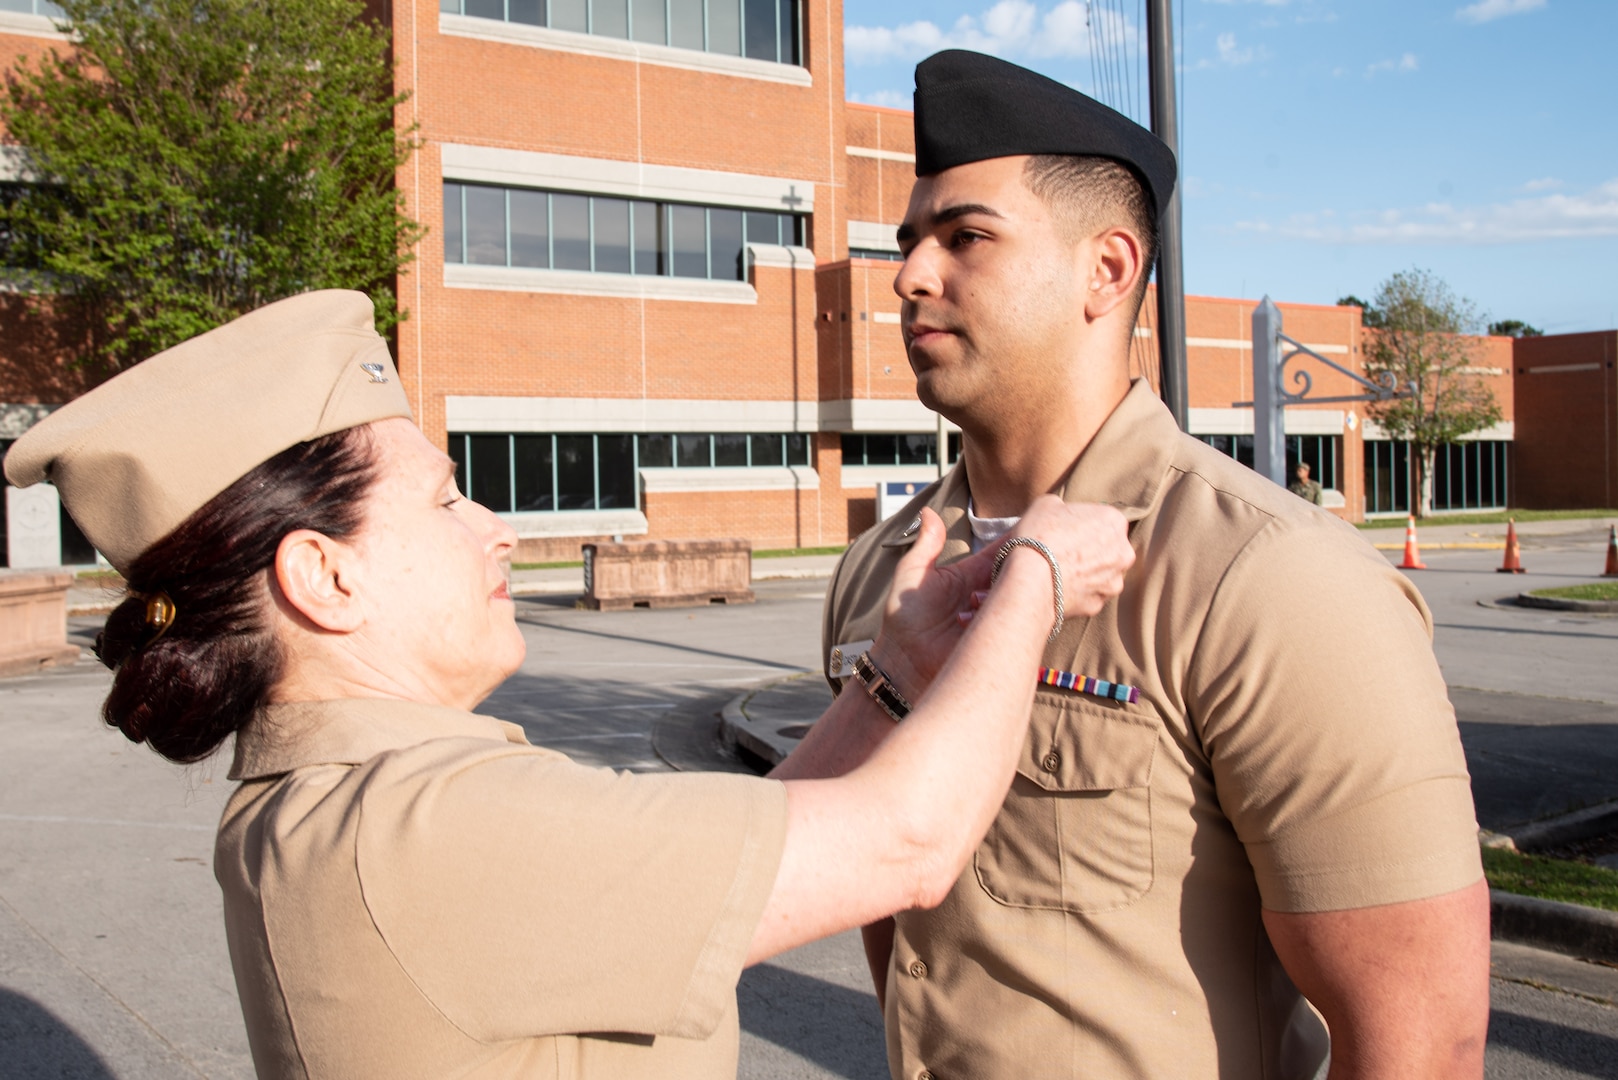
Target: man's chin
x=935, y=391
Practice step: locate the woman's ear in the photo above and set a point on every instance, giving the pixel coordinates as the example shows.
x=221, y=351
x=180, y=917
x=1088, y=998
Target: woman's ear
x=317, y=576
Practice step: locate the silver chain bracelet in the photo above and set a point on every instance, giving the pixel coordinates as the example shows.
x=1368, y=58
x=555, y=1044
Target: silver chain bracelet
x=1056, y=572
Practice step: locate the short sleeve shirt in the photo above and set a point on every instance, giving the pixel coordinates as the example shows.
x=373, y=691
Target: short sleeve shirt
x=1292, y=747
x=414, y=891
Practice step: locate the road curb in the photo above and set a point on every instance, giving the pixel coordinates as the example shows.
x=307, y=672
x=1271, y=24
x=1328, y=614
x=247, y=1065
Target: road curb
x=1566, y=828
x=1557, y=603
x=1440, y=545
x=739, y=731
x=1572, y=929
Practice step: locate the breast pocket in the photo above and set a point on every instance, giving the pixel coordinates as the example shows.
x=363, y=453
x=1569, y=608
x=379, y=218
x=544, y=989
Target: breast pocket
x=1075, y=833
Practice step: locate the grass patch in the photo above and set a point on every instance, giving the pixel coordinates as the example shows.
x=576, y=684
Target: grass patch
x=574, y=564
x=1595, y=590
x=788, y=553
x=1551, y=879
x=1492, y=517
x=100, y=577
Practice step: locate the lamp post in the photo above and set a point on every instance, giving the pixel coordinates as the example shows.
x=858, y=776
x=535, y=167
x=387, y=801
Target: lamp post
x=1170, y=328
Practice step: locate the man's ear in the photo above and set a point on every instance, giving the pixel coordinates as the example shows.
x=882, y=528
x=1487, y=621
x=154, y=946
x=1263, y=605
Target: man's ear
x=317, y=576
x=1115, y=271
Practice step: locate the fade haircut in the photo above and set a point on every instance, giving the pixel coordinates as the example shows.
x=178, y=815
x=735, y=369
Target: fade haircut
x=1088, y=193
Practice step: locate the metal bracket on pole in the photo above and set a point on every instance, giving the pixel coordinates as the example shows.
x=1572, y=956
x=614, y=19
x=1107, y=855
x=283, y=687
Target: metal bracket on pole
x=1270, y=395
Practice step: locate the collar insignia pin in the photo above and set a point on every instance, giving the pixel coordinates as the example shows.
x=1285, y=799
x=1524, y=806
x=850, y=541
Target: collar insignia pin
x=375, y=372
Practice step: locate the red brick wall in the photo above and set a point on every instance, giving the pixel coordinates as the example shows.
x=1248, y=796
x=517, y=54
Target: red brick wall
x=878, y=188
x=1566, y=456
x=465, y=341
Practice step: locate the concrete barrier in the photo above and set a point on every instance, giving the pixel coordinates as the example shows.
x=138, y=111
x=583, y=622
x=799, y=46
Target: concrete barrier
x=33, y=621
x=1547, y=924
x=666, y=573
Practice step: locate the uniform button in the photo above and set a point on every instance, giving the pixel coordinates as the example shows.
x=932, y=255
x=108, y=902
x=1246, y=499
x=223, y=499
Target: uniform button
x=918, y=969
x=1051, y=762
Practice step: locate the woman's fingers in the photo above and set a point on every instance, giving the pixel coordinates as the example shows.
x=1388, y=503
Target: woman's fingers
x=913, y=568
x=1091, y=545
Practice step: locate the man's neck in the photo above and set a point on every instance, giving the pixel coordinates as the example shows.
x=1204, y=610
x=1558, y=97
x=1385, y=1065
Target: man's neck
x=1011, y=465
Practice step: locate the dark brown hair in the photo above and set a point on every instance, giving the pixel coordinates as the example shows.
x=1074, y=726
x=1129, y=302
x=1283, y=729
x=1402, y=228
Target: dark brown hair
x=1089, y=190
x=185, y=690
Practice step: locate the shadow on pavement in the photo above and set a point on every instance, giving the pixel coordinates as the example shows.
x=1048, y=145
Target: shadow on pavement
x=1533, y=757
x=1589, y=1053
x=832, y=1026
x=35, y=1044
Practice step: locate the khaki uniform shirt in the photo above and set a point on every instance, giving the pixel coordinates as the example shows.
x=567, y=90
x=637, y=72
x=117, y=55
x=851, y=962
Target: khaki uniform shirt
x=1293, y=747
x=414, y=891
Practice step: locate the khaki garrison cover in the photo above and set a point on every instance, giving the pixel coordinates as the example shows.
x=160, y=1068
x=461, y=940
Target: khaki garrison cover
x=149, y=447
x=415, y=892
x=1293, y=746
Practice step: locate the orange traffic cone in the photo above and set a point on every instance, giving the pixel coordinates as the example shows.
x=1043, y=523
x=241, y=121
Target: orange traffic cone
x=1412, y=552
x=1612, y=552
x=1513, y=561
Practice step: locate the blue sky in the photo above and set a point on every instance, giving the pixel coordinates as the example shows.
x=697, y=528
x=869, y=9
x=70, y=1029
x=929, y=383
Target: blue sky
x=1326, y=144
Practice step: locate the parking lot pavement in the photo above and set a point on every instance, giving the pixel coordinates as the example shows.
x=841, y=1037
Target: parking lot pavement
x=112, y=957
x=1557, y=654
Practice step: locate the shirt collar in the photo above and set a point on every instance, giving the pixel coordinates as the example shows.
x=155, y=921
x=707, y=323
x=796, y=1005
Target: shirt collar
x=350, y=731
x=1125, y=463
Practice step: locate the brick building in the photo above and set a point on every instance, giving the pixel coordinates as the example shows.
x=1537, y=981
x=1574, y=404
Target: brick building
x=655, y=296
x=1567, y=408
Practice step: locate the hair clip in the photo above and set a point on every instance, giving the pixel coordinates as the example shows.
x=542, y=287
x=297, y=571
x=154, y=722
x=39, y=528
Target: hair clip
x=160, y=614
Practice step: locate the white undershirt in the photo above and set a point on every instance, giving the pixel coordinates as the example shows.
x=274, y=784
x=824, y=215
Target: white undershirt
x=986, y=531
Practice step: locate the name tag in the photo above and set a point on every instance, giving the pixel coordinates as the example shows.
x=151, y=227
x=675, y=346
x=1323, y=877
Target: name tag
x=840, y=665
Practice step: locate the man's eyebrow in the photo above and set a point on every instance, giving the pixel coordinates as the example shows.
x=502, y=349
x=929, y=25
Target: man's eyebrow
x=907, y=231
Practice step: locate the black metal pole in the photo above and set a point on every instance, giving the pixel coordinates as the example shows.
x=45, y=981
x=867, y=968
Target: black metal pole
x=1170, y=331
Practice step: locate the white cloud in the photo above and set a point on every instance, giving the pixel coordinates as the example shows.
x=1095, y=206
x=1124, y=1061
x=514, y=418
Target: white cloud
x=1546, y=183
x=1407, y=62
x=1008, y=28
x=1488, y=10
x=1547, y=217
x=1230, y=54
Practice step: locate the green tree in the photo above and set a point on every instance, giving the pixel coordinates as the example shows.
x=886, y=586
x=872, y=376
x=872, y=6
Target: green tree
x=1514, y=328
x=1424, y=341
x=190, y=160
x=1369, y=315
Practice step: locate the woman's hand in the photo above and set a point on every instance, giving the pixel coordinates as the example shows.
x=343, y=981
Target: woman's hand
x=1091, y=545
x=928, y=607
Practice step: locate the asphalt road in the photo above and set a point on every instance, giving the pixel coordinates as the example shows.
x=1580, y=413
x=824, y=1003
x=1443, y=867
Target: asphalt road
x=112, y=958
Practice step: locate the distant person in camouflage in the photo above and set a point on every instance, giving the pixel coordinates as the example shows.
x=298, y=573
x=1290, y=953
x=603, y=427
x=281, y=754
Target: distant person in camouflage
x=1304, y=488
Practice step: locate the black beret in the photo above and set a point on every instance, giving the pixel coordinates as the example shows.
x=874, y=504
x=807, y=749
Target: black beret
x=971, y=107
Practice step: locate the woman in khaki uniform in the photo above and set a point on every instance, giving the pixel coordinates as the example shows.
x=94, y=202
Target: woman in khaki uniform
x=410, y=889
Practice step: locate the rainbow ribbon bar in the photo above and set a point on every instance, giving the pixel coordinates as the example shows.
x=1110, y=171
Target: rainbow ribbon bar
x=1067, y=680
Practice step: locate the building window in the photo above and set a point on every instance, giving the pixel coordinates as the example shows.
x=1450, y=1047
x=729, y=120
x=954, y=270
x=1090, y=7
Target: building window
x=34, y=7
x=1466, y=476
x=873, y=253
x=758, y=29
x=1387, y=477
x=1470, y=475
x=897, y=449
x=553, y=230
x=522, y=473
x=1319, y=452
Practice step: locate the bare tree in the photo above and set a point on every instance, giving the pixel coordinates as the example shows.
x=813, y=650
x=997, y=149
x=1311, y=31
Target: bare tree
x=1424, y=338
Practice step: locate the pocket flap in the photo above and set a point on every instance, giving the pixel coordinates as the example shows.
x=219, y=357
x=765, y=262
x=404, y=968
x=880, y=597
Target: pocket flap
x=1079, y=745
